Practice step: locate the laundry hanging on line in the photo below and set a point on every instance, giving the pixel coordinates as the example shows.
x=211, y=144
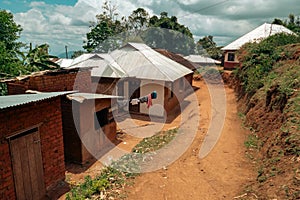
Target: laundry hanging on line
x=145, y=99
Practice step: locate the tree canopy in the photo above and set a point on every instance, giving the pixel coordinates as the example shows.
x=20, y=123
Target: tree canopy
x=100, y=38
x=38, y=59
x=165, y=32
x=207, y=46
x=14, y=62
x=9, y=47
x=9, y=31
x=293, y=23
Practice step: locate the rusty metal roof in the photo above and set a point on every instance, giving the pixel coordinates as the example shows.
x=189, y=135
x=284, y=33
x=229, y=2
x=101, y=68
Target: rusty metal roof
x=22, y=99
x=176, y=57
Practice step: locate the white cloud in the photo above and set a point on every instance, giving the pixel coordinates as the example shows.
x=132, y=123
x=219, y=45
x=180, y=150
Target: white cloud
x=58, y=18
x=61, y=25
x=35, y=25
x=37, y=4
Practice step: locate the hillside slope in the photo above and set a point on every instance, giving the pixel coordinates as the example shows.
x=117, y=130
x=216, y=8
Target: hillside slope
x=268, y=87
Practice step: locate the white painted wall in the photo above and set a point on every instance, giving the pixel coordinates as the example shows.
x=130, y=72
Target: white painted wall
x=148, y=86
x=126, y=89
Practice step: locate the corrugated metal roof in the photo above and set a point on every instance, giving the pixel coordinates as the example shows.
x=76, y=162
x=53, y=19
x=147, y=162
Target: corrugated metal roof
x=110, y=68
x=102, y=65
x=132, y=60
x=80, y=97
x=257, y=35
x=82, y=57
x=22, y=99
x=201, y=59
x=64, y=62
x=140, y=61
x=86, y=60
x=176, y=57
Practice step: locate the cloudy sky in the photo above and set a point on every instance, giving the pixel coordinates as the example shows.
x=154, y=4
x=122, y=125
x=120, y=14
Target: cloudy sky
x=63, y=23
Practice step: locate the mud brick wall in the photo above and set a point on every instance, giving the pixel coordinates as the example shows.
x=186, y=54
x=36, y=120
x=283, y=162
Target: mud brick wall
x=47, y=113
x=72, y=142
x=53, y=82
x=104, y=85
x=189, y=79
x=180, y=93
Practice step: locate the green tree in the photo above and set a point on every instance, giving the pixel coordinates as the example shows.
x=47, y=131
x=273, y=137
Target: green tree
x=291, y=19
x=207, y=46
x=10, y=64
x=103, y=34
x=38, y=59
x=165, y=32
x=207, y=42
x=77, y=54
x=293, y=23
x=278, y=21
x=138, y=20
x=9, y=31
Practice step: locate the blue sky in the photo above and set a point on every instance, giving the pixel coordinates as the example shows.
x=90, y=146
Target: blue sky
x=65, y=23
x=16, y=6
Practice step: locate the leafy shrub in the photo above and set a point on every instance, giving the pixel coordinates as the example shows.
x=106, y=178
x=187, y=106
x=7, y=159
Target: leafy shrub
x=114, y=177
x=258, y=59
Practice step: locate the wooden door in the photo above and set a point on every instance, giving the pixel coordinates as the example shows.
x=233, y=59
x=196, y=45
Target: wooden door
x=28, y=165
x=134, y=91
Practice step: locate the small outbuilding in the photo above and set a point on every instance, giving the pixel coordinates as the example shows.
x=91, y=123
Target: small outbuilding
x=256, y=35
x=89, y=127
x=202, y=61
x=31, y=145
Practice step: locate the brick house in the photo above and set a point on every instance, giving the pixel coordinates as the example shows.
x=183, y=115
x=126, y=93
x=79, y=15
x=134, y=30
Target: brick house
x=31, y=145
x=52, y=81
x=258, y=34
x=73, y=79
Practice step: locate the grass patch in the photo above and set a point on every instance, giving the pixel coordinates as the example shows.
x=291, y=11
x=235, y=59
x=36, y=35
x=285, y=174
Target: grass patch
x=252, y=142
x=242, y=116
x=155, y=142
x=113, y=179
x=108, y=184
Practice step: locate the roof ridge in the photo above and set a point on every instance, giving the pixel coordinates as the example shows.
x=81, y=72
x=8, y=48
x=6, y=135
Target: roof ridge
x=158, y=54
x=253, y=35
x=148, y=58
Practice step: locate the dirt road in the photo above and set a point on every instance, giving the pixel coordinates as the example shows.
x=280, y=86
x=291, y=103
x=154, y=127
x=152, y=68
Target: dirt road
x=220, y=175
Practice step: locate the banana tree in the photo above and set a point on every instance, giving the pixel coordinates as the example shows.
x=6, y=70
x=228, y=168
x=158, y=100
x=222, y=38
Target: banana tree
x=38, y=59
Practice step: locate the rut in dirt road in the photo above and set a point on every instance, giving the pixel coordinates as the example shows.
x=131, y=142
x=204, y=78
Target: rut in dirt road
x=220, y=175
